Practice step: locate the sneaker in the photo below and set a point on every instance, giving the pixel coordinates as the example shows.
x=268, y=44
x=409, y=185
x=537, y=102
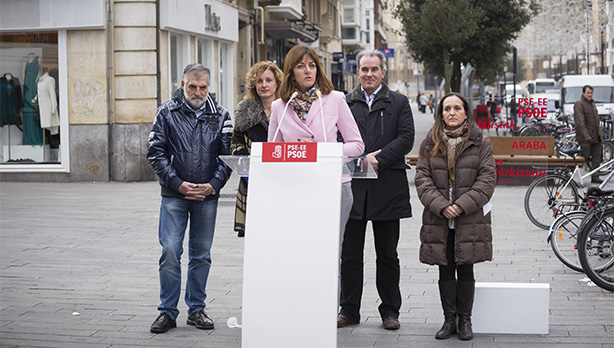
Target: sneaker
x=162, y=324
x=200, y=320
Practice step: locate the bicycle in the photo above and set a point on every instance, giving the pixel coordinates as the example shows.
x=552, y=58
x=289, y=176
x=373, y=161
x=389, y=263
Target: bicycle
x=563, y=236
x=596, y=246
x=557, y=191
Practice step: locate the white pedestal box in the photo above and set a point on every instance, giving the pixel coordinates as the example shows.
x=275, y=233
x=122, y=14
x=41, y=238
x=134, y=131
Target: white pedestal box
x=511, y=308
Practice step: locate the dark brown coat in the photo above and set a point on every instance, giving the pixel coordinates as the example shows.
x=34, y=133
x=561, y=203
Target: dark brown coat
x=587, y=120
x=474, y=186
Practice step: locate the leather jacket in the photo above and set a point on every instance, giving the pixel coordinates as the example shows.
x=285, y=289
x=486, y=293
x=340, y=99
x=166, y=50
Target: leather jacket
x=185, y=147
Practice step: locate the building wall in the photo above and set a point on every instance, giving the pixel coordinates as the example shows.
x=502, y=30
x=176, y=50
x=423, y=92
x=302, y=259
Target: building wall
x=112, y=83
x=135, y=88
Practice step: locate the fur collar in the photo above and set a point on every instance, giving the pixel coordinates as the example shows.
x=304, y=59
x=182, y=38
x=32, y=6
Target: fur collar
x=249, y=113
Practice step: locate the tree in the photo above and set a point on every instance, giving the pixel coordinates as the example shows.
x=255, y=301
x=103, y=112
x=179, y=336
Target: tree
x=444, y=33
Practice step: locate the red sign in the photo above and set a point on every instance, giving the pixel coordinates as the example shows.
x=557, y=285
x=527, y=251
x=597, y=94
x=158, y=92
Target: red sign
x=289, y=152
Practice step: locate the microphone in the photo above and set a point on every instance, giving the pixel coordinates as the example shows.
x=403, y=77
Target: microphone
x=284, y=113
x=321, y=113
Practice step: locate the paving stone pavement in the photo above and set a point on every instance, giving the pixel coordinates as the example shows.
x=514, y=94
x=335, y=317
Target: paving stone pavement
x=78, y=268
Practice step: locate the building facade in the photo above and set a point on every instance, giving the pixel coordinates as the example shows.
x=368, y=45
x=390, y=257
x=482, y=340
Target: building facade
x=79, y=93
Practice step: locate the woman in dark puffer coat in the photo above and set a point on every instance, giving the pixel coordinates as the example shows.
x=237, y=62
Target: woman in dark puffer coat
x=455, y=179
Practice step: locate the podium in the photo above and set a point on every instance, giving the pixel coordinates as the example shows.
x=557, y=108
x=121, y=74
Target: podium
x=291, y=258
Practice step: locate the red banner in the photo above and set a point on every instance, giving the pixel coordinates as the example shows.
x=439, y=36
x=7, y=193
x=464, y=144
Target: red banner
x=289, y=152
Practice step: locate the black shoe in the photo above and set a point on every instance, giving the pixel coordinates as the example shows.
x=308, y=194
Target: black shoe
x=200, y=320
x=596, y=180
x=162, y=324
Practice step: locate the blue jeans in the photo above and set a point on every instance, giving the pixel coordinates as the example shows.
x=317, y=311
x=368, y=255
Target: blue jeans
x=174, y=214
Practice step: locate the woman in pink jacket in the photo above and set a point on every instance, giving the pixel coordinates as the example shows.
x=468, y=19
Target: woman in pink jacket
x=310, y=110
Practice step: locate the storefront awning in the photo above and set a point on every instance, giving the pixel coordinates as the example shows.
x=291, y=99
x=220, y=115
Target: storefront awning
x=280, y=29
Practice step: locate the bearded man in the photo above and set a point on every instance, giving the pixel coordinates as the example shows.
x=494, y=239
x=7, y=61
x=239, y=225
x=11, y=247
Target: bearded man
x=187, y=137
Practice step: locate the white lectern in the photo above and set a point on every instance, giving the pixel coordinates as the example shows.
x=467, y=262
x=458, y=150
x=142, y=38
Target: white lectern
x=291, y=259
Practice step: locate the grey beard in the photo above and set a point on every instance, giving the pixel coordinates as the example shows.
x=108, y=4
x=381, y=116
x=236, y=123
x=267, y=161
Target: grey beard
x=194, y=104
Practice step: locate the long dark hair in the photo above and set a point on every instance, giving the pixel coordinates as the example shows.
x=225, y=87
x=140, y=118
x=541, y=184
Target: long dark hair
x=439, y=149
x=294, y=56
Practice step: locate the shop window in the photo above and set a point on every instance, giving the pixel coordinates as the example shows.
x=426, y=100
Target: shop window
x=178, y=60
x=29, y=98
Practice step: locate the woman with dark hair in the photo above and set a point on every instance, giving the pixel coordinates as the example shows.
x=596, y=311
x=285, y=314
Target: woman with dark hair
x=455, y=179
x=310, y=110
x=252, y=123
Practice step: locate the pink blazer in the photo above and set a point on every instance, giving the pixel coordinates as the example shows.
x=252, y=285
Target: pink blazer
x=337, y=116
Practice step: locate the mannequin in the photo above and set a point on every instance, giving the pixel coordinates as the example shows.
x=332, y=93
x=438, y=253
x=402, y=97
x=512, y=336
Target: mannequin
x=32, y=131
x=11, y=100
x=47, y=103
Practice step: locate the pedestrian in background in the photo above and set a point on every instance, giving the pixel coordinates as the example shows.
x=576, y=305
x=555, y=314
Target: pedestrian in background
x=424, y=101
x=188, y=134
x=252, y=123
x=431, y=101
x=455, y=179
x=310, y=110
x=386, y=124
x=588, y=130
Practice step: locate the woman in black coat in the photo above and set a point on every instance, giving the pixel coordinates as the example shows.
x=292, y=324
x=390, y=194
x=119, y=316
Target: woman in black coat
x=252, y=123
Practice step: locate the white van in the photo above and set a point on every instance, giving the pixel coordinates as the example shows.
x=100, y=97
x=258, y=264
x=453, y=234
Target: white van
x=540, y=86
x=571, y=91
x=544, y=88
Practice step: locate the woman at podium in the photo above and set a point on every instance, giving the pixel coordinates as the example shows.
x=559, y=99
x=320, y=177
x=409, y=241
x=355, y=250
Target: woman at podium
x=252, y=123
x=310, y=110
x=455, y=179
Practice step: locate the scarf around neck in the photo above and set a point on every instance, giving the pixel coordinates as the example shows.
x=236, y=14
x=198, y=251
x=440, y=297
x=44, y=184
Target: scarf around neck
x=454, y=140
x=302, y=102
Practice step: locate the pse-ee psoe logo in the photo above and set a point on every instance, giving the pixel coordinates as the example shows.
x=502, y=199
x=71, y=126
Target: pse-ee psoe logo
x=289, y=152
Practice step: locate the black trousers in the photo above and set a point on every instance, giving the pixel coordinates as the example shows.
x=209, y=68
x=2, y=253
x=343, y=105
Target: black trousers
x=388, y=270
x=452, y=270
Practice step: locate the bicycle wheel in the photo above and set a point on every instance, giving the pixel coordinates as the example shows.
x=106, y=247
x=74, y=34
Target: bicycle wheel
x=563, y=238
x=545, y=196
x=529, y=131
x=595, y=247
x=607, y=153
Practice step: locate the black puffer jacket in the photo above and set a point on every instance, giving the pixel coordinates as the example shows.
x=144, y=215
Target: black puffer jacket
x=184, y=147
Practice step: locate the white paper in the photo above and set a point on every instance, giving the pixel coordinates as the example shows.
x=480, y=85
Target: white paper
x=487, y=208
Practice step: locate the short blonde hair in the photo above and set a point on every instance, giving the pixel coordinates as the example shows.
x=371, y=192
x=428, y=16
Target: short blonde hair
x=251, y=79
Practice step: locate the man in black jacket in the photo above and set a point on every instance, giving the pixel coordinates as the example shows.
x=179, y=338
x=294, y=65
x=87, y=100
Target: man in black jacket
x=187, y=136
x=386, y=125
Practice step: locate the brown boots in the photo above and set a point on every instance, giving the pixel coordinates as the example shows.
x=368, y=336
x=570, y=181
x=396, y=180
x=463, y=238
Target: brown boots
x=456, y=299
